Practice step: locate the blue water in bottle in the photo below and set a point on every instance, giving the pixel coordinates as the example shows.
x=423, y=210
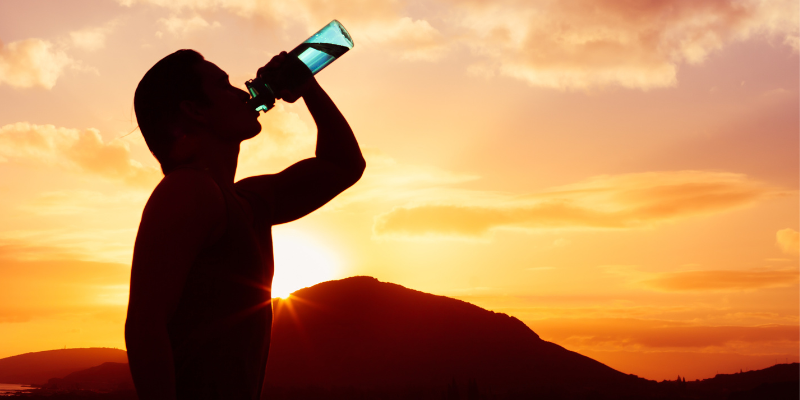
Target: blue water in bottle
x=321, y=49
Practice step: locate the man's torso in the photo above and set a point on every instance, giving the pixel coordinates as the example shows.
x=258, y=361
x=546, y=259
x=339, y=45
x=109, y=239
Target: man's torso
x=220, y=331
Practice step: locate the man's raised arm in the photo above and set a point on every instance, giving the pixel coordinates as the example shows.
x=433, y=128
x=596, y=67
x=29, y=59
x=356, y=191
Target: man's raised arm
x=309, y=184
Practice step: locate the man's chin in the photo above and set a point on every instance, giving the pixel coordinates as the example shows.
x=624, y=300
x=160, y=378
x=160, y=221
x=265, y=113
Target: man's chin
x=256, y=133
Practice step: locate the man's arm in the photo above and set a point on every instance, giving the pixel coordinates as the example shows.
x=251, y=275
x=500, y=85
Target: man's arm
x=309, y=184
x=184, y=213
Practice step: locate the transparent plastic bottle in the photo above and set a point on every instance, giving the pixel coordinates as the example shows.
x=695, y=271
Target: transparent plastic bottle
x=321, y=49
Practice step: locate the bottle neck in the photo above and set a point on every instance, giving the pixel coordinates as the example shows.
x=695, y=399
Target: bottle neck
x=263, y=97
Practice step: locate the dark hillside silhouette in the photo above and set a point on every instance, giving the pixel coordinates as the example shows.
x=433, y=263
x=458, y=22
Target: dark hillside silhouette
x=771, y=391
x=104, y=377
x=359, y=338
x=360, y=332
x=749, y=379
x=776, y=382
x=40, y=366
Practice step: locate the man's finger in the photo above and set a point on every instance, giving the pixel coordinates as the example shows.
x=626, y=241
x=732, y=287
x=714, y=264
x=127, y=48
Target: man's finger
x=273, y=63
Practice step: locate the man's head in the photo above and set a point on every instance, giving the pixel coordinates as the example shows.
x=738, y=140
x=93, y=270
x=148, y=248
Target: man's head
x=183, y=94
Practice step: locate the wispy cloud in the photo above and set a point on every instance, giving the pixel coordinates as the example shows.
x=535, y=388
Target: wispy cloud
x=723, y=280
x=92, y=38
x=638, y=334
x=284, y=139
x=32, y=63
x=603, y=202
x=36, y=289
x=387, y=180
x=575, y=44
x=377, y=24
x=86, y=244
x=77, y=202
x=413, y=39
x=788, y=240
x=183, y=26
x=581, y=44
x=82, y=151
x=75, y=225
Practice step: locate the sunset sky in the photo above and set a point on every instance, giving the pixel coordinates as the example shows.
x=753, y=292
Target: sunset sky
x=620, y=175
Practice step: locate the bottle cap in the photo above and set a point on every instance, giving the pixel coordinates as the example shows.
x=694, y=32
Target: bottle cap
x=262, y=96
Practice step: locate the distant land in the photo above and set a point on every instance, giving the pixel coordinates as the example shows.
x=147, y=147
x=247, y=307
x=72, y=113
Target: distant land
x=359, y=338
x=39, y=367
x=106, y=377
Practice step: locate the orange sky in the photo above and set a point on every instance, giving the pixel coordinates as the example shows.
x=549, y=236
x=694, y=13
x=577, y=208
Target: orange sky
x=621, y=176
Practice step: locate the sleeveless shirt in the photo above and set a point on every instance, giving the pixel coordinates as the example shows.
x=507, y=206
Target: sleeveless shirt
x=220, y=332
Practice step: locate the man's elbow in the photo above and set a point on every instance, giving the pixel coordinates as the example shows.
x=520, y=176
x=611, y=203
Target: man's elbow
x=356, y=171
x=360, y=166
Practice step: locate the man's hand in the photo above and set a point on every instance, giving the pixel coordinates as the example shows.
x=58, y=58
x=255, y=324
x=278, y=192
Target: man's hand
x=288, y=76
x=308, y=184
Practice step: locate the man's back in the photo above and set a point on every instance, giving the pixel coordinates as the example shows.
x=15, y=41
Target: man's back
x=220, y=330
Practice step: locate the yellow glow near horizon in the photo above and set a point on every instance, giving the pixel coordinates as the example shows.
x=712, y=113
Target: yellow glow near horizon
x=300, y=262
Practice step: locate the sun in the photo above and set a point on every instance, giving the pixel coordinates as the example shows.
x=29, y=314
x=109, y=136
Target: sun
x=300, y=261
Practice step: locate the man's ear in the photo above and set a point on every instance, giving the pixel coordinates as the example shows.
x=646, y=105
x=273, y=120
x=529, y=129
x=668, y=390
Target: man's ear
x=184, y=146
x=192, y=111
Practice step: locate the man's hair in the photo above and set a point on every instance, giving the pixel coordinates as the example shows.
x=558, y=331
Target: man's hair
x=158, y=97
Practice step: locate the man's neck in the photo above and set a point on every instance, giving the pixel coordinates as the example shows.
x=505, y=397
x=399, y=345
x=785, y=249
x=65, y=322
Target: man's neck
x=218, y=159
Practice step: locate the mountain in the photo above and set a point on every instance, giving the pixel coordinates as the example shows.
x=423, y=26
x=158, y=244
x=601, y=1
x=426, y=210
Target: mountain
x=776, y=382
x=40, y=366
x=362, y=333
x=359, y=338
x=104, y=377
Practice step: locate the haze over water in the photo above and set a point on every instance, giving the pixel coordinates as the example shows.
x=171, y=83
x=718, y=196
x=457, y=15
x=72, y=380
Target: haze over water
x=11, y=388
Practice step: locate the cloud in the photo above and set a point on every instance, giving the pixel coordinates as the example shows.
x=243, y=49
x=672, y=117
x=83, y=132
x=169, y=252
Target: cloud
x=72, y=243
x=580, y=44
x=723, y=280
x=788, y=240
x=75, y=225
x=379, y=24
x=36, y=289
x=83, y=151
x=387, y=180
x=659, y=349
x=604, y=202
x=572, y=44
x=284, y=139
x=32, y=63
x=638, y=334
x=183, y=26
x=93, y=38
x=413, y=39
x=84, y=202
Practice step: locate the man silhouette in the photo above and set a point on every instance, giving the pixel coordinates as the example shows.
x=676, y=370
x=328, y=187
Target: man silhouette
x=199, y=315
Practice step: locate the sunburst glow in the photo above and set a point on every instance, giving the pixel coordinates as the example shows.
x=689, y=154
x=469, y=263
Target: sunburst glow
x=300, y=261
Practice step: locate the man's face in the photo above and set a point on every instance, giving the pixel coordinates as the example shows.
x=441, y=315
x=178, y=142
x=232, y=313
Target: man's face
x=228, y=115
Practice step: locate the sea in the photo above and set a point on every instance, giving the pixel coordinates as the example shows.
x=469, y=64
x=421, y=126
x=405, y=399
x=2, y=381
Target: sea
x=7, y=389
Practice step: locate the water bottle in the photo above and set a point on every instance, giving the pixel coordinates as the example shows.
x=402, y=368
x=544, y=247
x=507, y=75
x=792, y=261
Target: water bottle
x=321, y=49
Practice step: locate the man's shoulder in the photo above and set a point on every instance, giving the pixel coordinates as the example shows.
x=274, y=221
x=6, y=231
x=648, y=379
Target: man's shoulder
x=260, y=186
x=187, y=189
x=189, y=177
x=253, y=183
